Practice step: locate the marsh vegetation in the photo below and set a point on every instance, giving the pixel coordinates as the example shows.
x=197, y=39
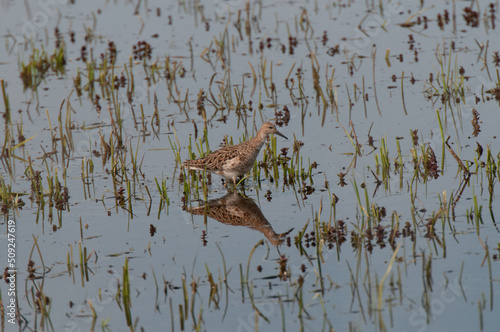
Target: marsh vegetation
x=378, y=213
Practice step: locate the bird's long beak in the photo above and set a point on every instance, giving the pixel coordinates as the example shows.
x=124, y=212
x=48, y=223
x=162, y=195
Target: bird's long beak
x=278, y=133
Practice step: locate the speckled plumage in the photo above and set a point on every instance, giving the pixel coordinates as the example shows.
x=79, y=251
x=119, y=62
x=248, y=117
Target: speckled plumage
x=234, y=160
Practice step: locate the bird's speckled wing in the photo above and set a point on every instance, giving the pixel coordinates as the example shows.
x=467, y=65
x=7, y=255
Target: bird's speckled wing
x=214, y=161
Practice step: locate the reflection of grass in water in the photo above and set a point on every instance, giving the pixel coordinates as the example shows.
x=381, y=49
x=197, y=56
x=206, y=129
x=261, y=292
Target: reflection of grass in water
x=125, y=294
x=39, y=302
x=164, y=200
x=51, y=195
x=9, y=200
x=289, y=170
x=39, y=66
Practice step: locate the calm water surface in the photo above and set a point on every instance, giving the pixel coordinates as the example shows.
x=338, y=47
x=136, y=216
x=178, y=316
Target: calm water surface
x=409, y=245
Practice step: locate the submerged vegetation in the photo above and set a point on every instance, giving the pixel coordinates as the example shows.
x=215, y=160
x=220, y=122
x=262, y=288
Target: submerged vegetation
x=371, y=216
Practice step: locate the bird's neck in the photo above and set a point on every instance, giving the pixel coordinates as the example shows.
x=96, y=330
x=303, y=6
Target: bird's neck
x=260, y=138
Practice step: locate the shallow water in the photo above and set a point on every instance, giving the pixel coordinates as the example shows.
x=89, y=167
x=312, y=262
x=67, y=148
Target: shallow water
x=197, y=272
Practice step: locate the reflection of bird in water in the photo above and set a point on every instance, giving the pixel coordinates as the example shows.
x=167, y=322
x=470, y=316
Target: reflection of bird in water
x=234, y=209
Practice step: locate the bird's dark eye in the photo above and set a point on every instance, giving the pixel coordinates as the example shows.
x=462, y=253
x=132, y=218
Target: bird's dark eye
x=270, y=127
